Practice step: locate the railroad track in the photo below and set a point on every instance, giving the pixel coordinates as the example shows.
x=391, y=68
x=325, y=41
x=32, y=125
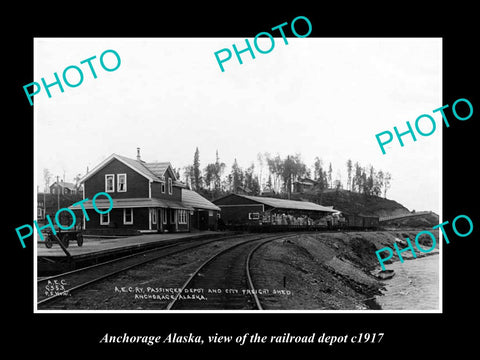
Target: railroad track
x=225, y=280
x=54, y=288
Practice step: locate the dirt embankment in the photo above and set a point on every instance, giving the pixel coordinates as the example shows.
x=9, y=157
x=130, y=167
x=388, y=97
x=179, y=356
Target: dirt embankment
x=327, y=271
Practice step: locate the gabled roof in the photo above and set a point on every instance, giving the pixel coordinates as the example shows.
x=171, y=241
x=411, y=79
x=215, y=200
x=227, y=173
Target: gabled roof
x=197, y=201
x=159, y=169
x=64, y=184
x=286, y=204
x=152, y=171
x=139, y=166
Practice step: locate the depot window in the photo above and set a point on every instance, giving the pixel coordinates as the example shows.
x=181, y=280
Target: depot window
x=105, y=219
x=253, y=216
x=182, y=216
x=153, y=215
x=128, y=216
x=122, y=182
x=109, y=183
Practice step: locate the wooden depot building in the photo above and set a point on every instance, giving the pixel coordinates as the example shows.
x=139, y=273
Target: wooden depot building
x=147, y=197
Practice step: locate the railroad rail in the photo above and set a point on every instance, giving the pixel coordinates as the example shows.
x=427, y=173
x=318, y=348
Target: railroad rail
x=67, y=283
x=226, y=279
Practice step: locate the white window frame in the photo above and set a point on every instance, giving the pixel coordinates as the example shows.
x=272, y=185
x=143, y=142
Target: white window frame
x=118, y=183
x=108, y=219
x=182, y=217
x=153, y=215
x=162, y=187
x=254, y=216
x=164, y=216
x=125, y=216
x=170, y=186
x=113, y=183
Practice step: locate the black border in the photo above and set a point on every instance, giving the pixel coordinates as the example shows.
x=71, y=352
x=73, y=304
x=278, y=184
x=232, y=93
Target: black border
x=57, y=335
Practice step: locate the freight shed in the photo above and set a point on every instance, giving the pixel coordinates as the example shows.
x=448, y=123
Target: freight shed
x=239, y=209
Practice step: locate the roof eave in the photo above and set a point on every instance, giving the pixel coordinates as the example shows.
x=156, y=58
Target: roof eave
x=105, y=162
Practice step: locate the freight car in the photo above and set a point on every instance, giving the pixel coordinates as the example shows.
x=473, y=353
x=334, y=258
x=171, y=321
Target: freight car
x=335, y=221
x=361, y=222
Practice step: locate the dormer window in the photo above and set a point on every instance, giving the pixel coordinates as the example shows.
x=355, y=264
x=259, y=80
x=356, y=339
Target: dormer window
x=170, y=189
x=122, y=182
x=109, y=183
x=162, y=186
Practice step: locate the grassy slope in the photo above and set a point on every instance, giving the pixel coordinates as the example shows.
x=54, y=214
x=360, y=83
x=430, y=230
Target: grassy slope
x=355, y=203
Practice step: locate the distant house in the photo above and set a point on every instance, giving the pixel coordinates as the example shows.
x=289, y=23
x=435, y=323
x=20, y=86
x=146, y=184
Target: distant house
x=49, y=204
x=243, y=190
x=147, y=197
x=40, y=207
x=268, y=192
x=65, y=188
x=303, y=185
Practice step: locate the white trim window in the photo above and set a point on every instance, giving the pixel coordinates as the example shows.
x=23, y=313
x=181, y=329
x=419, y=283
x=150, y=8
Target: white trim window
x=253, y=216
x=122, y=182
x=105, y=219
x=128, y=216
x=162, y=187
x=109, y=183
x=170, y=188
x=182, y=216
x=164, y=216
x=153, y=216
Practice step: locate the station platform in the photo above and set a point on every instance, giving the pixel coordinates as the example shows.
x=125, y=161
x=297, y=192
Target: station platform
x=92, y=245
x=95, y=250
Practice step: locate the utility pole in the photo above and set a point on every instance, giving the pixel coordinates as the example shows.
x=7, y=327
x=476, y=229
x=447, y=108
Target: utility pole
x=58, y=195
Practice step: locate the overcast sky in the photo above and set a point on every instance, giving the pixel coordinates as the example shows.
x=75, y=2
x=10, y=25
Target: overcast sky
x=324, y=97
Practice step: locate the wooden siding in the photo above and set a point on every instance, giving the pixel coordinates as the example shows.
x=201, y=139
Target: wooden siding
x=239, y=214
x=137, y=185
x=140, y=219
x=157, y=191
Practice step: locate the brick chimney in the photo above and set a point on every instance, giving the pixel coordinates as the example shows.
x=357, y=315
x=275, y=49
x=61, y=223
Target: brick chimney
x=138, y=154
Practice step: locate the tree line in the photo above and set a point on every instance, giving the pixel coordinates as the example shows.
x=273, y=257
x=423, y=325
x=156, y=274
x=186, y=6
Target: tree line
x=274, y=174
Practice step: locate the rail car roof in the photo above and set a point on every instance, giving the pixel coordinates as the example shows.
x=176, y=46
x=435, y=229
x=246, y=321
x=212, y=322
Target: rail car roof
x=286, y=204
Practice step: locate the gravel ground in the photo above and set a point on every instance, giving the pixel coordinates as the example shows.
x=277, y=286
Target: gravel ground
x=324, y=271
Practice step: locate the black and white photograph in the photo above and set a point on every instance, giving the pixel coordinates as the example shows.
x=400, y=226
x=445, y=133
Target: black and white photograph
x=232, y=181
x=168, y=182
